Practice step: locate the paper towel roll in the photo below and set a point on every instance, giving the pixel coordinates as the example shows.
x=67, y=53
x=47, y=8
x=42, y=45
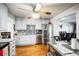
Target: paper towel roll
x=73, y=43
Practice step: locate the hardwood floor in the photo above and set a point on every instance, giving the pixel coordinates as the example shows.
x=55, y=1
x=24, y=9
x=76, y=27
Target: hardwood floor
x=34, y=50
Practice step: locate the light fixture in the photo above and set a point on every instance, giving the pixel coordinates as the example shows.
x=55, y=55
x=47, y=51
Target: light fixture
x=35, y=15
x=37, y=7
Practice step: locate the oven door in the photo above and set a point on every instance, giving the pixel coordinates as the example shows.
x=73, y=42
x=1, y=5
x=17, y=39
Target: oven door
x=5, y=51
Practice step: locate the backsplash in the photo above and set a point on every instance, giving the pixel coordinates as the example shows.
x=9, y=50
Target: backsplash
x=25, y=32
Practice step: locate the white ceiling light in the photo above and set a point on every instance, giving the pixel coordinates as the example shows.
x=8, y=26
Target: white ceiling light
x=37, y=7
x=35, y=15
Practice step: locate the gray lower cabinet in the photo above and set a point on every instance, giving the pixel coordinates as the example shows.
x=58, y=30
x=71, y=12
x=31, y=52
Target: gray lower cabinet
x=39, y=39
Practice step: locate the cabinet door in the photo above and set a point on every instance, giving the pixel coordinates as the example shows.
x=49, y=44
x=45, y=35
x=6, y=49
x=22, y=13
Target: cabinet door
x=20, y=24
x=12, y=48
x=3, y=17
x=38, y=26
x=5, y=51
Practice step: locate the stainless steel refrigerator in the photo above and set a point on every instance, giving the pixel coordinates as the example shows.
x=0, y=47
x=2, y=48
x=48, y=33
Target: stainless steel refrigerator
x=50, y=33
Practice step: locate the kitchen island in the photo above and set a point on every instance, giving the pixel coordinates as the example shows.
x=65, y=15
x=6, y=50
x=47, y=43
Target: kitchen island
x=62, y=49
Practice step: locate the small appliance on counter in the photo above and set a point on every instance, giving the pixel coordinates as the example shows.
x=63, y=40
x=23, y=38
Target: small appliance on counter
x=38, y=31
x=73, y=43
x=77, y=46
x=5, y=35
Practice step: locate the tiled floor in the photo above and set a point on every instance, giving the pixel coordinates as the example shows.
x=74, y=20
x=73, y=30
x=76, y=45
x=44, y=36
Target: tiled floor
x=35, y=50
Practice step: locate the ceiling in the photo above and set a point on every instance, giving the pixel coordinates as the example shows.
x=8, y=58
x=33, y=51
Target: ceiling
x=26, y=9
x=68, y=19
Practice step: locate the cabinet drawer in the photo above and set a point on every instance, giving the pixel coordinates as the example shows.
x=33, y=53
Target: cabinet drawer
x=12, y=52
x=12, y=46
x=13, y=42
x=5, y=51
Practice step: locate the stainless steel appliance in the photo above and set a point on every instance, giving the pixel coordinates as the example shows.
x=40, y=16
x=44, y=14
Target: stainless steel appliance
x=50, y=33
x=5, y=35
x=38, y=36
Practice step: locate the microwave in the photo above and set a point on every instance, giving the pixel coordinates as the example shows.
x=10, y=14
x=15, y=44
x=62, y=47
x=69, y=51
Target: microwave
x=5, y=35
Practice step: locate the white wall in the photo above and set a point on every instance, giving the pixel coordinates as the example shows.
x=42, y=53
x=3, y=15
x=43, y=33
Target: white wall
x=36, y=22
x=66, y=27
x=77, y=21
x=6, y=20
x=11, y=19
x=3, y=17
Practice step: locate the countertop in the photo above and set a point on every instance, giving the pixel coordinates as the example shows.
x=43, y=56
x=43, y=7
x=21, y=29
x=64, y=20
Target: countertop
x=6, y=40
x=75, y=51
x=64, y=45
x=3, y=45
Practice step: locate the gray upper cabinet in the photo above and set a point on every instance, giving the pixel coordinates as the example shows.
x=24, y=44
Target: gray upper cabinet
x=3, y=18
x=20, y=24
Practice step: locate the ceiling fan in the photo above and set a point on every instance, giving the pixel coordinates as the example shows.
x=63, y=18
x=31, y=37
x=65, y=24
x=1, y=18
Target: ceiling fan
x=37, y=10
x=37, y=13
x=37, y=7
